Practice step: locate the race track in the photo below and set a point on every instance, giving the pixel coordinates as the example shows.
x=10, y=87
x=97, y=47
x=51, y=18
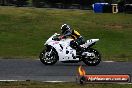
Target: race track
x=34, y=70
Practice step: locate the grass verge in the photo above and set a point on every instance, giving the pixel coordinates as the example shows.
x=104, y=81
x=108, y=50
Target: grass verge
x=24, y=30
x=59, y=85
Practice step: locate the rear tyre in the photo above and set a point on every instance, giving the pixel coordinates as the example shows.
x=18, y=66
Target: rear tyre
x=94, y=60
x=49, y=56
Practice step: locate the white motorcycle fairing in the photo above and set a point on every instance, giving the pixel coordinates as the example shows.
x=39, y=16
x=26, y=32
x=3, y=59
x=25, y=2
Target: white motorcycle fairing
x=60, y=50
x=65, y=52
x=89, y=43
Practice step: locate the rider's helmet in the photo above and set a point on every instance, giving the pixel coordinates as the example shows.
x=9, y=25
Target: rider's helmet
x=64, y=28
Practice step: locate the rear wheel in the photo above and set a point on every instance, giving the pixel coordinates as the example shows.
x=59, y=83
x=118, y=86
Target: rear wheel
x=92, y=60
x=48, y=56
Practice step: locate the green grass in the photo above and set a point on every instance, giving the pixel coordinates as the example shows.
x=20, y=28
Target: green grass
x=24, y=30
x=59, y=85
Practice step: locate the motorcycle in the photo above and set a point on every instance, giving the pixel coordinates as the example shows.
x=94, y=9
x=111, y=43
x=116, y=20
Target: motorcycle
x=61, y=51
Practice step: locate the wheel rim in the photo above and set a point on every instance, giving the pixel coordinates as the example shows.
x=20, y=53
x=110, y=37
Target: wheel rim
x=49, y=57
x=95, y=58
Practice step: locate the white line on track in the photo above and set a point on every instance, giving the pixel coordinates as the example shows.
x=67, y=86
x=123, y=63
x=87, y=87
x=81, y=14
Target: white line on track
x=56, y=81
x=49, y=81
x=11, y=80
x=109, y=61
x=124, y=83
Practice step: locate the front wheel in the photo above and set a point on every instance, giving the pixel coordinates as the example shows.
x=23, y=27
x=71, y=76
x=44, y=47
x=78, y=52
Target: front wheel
x=48, y=56
x=92, y=60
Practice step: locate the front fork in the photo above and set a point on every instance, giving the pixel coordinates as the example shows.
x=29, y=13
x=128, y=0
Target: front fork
x=49, y=49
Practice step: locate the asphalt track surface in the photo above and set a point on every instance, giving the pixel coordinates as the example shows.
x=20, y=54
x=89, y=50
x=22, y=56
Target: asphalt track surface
x=14, y=69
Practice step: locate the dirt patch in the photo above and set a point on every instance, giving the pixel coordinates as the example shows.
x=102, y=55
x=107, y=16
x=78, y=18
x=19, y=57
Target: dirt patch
x=114, y=26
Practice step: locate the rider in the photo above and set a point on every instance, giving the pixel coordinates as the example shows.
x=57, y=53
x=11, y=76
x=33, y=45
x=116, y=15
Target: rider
x=77, y=38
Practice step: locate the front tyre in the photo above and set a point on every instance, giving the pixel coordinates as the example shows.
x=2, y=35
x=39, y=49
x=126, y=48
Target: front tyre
x=92, y=60
x=48, y=56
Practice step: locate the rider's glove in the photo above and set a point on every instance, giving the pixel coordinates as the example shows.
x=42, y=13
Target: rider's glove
x=62, y=37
